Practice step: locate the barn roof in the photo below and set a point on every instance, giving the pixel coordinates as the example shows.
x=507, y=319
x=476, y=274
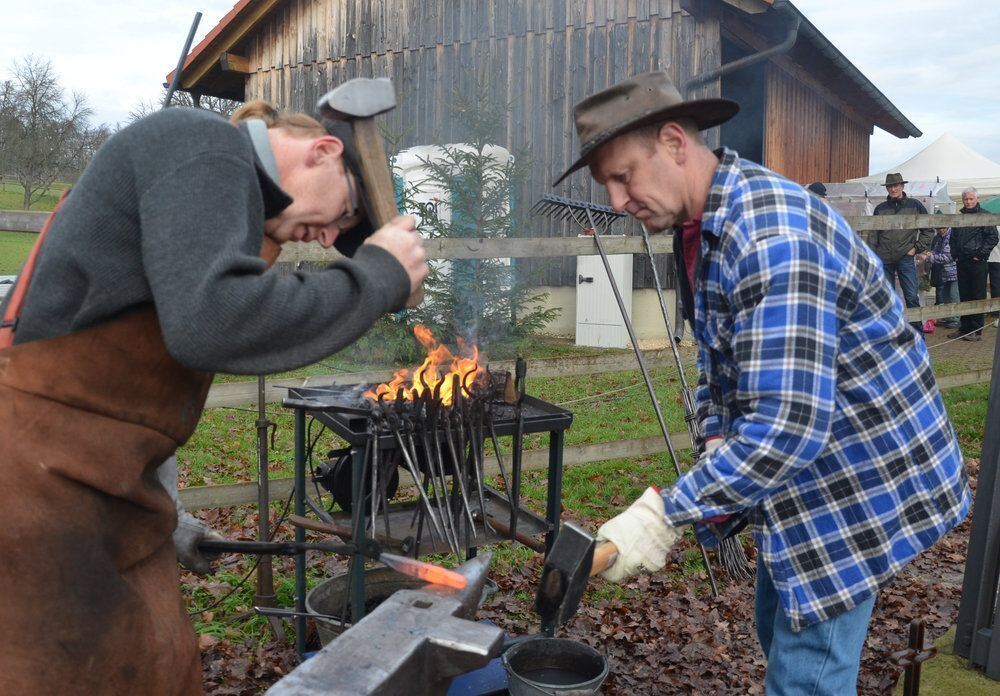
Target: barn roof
x=872, y=102
x=214, y=67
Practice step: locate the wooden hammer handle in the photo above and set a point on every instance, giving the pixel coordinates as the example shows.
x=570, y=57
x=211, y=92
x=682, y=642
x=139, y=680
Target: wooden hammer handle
x=381, y=193
x=605, y=555
x=504, y=530
x=379, y=187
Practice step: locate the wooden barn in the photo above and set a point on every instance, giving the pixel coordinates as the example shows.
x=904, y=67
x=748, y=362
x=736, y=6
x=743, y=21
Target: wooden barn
x=807, y=111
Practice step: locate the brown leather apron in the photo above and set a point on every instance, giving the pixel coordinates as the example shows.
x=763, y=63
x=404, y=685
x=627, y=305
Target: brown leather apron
x=91, y=591
x=89, y=587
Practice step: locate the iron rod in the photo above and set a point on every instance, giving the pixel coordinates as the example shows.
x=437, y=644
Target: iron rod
x=176, y=82
x=265, y=568
x=416, y=477
x=649, y=382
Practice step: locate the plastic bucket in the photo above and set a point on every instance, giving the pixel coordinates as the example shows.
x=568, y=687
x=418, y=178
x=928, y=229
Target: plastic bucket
x=328, y=598
x=554, y=666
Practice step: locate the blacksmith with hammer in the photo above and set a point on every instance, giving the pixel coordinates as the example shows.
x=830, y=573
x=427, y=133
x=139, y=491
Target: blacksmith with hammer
x=824, y=425
x=152, y=276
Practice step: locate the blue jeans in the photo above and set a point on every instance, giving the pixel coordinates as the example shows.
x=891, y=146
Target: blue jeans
x=906, y=271
x=819, y=660
x=947, y=293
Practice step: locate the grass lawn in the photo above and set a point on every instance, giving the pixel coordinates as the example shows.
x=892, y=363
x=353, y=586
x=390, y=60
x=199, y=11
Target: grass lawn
x=14, y=248
x=11, y=197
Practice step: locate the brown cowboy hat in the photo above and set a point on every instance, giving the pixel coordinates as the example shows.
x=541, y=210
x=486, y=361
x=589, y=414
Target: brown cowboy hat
x=636, y=102
x=895, y=178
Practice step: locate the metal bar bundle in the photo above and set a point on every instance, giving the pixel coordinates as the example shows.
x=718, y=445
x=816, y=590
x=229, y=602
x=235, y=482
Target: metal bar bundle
x=441, y=444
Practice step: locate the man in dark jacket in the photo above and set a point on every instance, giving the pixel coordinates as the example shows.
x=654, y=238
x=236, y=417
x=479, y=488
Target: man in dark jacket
x=971, y=247
x=896, y=248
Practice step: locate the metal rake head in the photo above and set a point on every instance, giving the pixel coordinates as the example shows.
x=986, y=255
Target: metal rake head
x=584, y=213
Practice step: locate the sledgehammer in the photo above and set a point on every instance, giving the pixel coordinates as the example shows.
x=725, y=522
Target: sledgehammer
x=575, y=557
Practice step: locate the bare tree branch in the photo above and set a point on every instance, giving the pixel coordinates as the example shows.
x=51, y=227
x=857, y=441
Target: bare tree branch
x=144, y=108
x=45, y=135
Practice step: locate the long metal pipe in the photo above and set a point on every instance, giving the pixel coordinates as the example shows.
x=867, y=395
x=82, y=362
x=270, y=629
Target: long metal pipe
x=649, y=382
x=746, y=61
x=176, y=82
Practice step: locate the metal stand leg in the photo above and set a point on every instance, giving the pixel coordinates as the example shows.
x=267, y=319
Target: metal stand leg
x=300, y=533
x=265, y=596
x=357, y=560
x=553, y=502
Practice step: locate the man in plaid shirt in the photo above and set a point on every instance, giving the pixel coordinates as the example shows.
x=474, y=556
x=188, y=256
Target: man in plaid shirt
x=824, y=425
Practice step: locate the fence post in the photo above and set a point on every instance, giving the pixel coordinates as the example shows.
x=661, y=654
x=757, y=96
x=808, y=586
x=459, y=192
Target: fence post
x=977, y=635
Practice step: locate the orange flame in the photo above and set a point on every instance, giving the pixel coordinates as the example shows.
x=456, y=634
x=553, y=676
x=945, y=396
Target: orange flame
x=438, y=368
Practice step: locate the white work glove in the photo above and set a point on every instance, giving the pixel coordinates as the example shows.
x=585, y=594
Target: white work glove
x=642, y=537
x=190, y=530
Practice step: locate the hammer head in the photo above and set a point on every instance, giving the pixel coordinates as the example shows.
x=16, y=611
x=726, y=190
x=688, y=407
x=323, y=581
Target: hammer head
x=362, y=97
x=564, y=576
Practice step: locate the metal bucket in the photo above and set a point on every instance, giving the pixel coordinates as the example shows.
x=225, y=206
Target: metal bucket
x=328, y=598
x=554, y=667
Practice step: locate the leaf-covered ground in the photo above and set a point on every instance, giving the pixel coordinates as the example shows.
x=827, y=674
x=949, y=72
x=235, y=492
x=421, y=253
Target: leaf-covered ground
x=663, y=633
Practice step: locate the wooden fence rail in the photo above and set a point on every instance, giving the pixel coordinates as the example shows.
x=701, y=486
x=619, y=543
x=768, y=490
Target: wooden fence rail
x=228, y=495
x=238, y=393
x=242, y=393
x=543, y=247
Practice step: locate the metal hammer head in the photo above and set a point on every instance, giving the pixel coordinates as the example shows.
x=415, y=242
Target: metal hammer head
x=347, y=111
x=362, y=97
x=564, y=576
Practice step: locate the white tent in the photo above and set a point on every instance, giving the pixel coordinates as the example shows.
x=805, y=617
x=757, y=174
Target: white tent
x=948, y=160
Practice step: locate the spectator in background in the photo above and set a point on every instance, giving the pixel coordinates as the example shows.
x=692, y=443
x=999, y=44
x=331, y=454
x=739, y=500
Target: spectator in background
x=896, y=248
x=818, y=188
x=943, y=275
x=971, y=247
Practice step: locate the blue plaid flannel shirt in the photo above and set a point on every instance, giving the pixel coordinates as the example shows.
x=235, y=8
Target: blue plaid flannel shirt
x=836, y=441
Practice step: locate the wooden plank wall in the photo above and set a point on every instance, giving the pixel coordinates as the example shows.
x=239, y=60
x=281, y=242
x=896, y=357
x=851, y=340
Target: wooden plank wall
x=806, y=138
x=851, y=140
x=541, y=57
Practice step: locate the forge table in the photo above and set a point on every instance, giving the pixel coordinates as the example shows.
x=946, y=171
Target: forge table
x=339, y=409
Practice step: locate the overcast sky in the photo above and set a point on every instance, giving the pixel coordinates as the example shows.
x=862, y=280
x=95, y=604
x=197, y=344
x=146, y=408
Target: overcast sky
x=934, y=60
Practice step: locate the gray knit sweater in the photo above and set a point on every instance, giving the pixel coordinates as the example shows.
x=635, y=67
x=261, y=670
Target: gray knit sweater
x=171, y=212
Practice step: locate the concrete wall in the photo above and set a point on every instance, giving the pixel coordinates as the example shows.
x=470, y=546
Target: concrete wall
x=647, y=319
x=22, y=220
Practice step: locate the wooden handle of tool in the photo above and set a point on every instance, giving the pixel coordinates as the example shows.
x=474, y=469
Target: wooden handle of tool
x=520, y=537
x=605, y=555
x=379, y=189
x=318, y=526
x=403, y=545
